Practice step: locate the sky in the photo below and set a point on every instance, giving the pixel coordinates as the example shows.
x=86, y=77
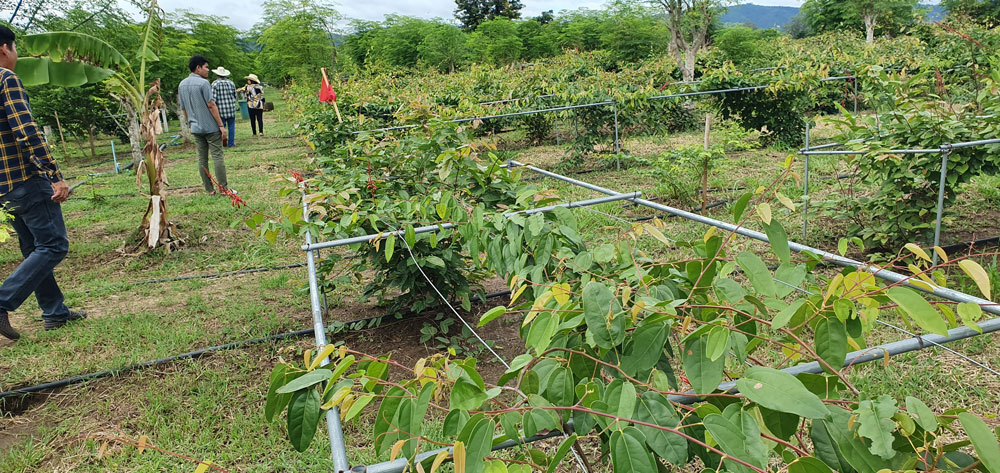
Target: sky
x=242, y=15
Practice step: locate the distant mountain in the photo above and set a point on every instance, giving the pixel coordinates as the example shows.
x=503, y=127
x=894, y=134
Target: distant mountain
x=776, y=17
x=759, y=15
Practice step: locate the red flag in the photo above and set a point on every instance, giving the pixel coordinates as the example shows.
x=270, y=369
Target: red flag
x=326, y=93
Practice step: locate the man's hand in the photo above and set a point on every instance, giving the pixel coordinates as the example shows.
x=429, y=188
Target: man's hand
x=60, y=191
x=222, y=129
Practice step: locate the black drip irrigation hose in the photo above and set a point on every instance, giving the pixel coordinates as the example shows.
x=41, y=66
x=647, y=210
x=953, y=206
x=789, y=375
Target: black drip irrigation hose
x=970, y=244
x=340, y=328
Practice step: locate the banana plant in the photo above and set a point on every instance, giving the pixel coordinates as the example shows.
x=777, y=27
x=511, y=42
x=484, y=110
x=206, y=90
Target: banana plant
x=71, y=59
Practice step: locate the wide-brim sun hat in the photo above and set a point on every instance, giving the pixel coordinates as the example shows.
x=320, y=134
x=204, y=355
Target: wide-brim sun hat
x=254, y=78
x=221, y=71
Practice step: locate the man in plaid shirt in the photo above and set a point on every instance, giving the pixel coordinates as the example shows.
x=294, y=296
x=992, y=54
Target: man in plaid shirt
x=224, y=91
x=31, y=188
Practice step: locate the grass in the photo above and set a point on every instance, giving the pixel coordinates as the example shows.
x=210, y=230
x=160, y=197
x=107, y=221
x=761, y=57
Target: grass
x=212, y=408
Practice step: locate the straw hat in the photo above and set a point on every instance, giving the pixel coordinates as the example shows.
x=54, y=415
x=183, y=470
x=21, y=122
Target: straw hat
x=221, y=71
x=254, y=78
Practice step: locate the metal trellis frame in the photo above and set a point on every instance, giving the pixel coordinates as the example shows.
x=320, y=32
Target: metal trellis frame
x=945, y=150
x=853, y=358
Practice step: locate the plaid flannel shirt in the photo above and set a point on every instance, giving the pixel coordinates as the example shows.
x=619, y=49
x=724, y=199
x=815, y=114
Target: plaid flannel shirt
x=23, y=152
x=224, y=91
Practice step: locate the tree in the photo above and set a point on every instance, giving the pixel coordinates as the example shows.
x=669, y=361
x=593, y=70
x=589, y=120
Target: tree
x=296, y=37
x=443, y=48
x=497, y=41
x=874, y=11
x=689, y=22
x=545, y=18
x=474, y=12
x=984, y=12
x=797, y=27
x=891, y=16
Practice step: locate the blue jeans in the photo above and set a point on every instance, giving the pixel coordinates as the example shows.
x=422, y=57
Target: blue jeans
x=231, y=125
x=38, y=222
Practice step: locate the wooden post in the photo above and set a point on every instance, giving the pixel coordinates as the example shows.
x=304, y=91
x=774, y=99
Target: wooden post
x=61, y=137
x=93, y=151
x=704, y=170
x=708, y=127
x=163, y=117
x=335, y=107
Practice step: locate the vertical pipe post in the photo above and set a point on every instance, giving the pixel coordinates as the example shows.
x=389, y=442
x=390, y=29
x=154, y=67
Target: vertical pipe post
x=805, y=187
x=114, y=156
x=940, y=204
x=337, y=450
x=618, y=149
x=855, y=82
x=557, y=129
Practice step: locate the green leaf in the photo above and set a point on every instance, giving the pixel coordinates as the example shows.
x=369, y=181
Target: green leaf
x=561, y=452
x=306, y=380
x=478, y=445
x=842, y=246
x=792, y=276
x=779, y=241
x=826, y=448
x=435, y=261
x=597, y=305
x=728, y=290
x=541, y=331
x=492, y=314
x=704, y=374
x=718, y=343
x=276, y=402
x=983, y=441
x=628, y=452
x=786, y=314
x=390, y=244
x=831, y=342
x=653, y=408
x=738, y=439
x=740, y=206
x=757, y=272
x=466, y=394
x=409, y=235
x=604, y=253
x=780, y=391
x=921, y=311
x=925, y=417
x=849, y=444
x=383, y=419
x=303, y=417
x=358, y=406
x=875, y=423
x=808, y=465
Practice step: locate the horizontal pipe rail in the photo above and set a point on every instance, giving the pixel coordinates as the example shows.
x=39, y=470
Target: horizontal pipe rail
x=446, y=226
x=813, y=151
x=893, y=277
x=871, y=354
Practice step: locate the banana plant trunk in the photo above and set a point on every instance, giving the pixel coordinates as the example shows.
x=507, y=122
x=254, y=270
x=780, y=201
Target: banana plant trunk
x=156, y=230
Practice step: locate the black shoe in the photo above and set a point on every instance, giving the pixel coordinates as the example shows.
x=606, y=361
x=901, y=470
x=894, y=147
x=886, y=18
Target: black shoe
x=73, y=315
x=5, y=328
